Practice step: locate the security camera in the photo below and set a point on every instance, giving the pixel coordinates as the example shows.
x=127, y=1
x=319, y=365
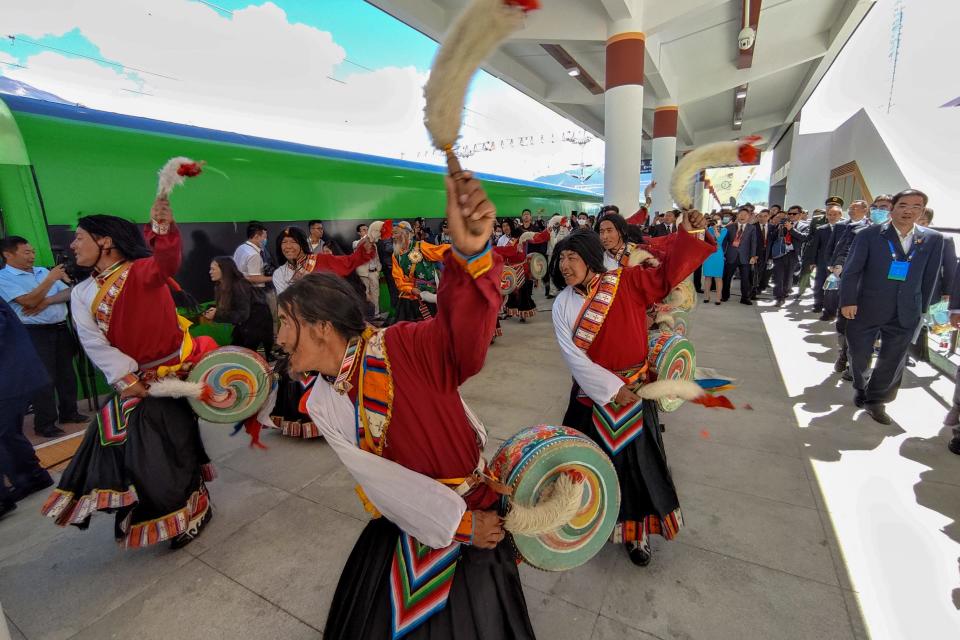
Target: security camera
x=746, y=38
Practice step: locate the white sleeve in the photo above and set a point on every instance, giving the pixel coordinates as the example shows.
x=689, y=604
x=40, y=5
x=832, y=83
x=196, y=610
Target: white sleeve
x=419, y=505
x=111, y=361
x=281, y=279
x=598, y=383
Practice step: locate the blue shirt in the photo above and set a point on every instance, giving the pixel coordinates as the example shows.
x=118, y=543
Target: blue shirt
x=16, y=282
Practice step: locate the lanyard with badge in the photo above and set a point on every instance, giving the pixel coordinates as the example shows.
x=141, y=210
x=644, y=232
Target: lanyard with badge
x=900, y=268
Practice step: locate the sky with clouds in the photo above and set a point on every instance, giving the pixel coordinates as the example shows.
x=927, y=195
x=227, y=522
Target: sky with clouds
x=336, y=73
x=343, y=74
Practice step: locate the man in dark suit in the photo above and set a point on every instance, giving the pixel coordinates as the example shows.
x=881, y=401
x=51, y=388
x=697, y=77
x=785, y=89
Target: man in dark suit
x=739, y=254
x=668, y=226
x=785, y=249
x=953, y=417
x=919, y=350
x=817, y=254
x=761, y=274
x=887, y=283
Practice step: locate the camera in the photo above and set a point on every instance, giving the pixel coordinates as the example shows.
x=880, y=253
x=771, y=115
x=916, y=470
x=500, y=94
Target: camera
x=75, y=273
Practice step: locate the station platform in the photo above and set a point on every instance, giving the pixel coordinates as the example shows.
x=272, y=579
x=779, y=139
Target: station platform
x=804, y=518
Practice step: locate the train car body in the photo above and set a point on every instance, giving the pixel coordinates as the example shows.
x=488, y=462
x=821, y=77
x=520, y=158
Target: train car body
x=59, y=162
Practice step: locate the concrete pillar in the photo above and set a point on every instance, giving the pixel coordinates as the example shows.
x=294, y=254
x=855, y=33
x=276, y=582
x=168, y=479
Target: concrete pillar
x=623, y=115
x=664, y=155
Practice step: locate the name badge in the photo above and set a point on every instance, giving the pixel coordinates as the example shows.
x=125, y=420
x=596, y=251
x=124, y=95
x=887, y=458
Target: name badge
x=898, y=270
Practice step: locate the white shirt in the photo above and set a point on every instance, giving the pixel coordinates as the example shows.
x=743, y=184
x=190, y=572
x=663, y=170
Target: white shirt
x=504, y=240
x=609, y=262
x=283, y=277
x=600, y=384
x=111, y=361
x=906, y=241
x=248, y=259
x=418, y=504
x=373, y=266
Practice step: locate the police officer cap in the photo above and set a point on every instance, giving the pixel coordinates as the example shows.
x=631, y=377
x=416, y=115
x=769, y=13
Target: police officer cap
x=834, y=200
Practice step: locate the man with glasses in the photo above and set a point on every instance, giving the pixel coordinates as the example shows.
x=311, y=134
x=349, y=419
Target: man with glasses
x=887, y=283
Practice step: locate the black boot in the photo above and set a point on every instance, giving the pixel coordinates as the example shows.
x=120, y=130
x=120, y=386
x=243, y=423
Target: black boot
x=640, y=555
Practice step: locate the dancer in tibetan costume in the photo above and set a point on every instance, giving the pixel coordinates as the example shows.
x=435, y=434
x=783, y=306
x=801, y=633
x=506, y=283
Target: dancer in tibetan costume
x=520, y=303
x=619, y=248
x=289, y=413
x=415, y=273
x=600, y=320
x=141, y=457
x=434, y=562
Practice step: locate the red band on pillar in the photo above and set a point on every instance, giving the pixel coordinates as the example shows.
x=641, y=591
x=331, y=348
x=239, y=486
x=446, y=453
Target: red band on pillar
x=625, y=59
x=665, y=122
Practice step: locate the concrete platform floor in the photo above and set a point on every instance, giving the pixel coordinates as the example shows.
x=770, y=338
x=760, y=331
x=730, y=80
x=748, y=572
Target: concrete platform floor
x=804, y=519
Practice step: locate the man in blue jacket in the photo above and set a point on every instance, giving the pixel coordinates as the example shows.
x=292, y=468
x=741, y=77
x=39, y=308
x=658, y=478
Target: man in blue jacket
x=886, y=286
x=18, y=462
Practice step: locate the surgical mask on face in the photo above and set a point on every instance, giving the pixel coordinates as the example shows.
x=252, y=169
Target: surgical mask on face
x=879, y=216
x=726, y=219
x=584, y=222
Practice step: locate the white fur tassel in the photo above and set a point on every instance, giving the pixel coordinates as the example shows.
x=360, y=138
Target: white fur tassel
x=175, y=388
x=558, y=505
x=426, y=296
x=717, y=154
x=639, y=256
x=683, y=389
x=472, y=38
x=169, y=178
x=667, y=319
x=374, y=229
x=525, y=237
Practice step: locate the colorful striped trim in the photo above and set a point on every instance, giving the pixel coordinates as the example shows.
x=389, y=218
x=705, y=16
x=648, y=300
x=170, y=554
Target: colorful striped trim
x=297, y=429
x=464, y=532
x=65, y=508
x=476, y=265
x=112, y=420
x=420, y=582
x=374, y=396
x=111, y=284
x=640, y=530
x=618, y=426
x=595, y=309
x=171, y=525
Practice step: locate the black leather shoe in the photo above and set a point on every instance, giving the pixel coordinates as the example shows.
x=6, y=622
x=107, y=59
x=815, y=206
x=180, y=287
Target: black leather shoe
x=954, y=445
x=817, y=309
x=846, y=375
x=878, y=413
x=39, y=483
x=859, y=400
x=77, y=418
x=953, y=417
x=746, y=302
x=826, y=317
x=7, y=507
x=840, y=365
x=638, y=555
x=50, y=431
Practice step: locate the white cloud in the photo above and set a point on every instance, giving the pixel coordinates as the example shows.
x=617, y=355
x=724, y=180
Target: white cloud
x=257, y=73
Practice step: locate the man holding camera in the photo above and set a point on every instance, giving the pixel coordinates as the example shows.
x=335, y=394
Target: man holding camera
x=39, y=297
x=785, y=251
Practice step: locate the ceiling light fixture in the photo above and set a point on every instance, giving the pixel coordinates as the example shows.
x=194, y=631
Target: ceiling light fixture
x=574, y=72
x=742, y=93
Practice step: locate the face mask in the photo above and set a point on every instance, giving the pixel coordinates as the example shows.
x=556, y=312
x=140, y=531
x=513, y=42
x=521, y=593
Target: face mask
x=726, y=219
x=878, y=216
x=584, y=222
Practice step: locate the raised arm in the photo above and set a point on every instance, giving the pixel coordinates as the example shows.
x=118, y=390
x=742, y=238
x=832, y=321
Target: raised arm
x=163, y=238
x=682, y=258
x=345, y=265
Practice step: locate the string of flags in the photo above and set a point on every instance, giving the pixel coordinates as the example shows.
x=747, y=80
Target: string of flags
x=467, y=150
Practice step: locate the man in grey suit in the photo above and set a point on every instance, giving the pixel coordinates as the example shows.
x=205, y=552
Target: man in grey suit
x=887, y=283
x=739, y=255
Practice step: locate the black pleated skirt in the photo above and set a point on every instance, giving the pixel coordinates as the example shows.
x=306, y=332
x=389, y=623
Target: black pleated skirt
x=520, y=302
x=486, y=601
x=154, y=481
x=409, y=310
x=646, y=486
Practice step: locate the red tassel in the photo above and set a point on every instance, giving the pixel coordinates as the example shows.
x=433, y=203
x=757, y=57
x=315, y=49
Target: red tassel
x=526, y=5
x=206, y=393
x=386, y=230
x=190, y=169
x=173, y=284
x=252, y=426
x=721, y=402
x=574, y=475
x=748, y=154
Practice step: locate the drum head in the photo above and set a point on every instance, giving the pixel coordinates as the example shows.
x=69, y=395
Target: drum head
x=239, y=381
x=530, y=462
x=673, y=358
x=509, y=280
x=538, y=265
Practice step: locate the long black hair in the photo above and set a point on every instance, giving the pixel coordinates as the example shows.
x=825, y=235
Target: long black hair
x=297, y=234
x=586, y=244
x=127, y=239
x=618, y=221
x=232, y=283
x=323, y=297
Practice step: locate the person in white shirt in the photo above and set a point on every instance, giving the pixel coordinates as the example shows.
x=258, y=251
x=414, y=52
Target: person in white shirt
x=316, y=241
x=249, y=255
x=369, y=273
